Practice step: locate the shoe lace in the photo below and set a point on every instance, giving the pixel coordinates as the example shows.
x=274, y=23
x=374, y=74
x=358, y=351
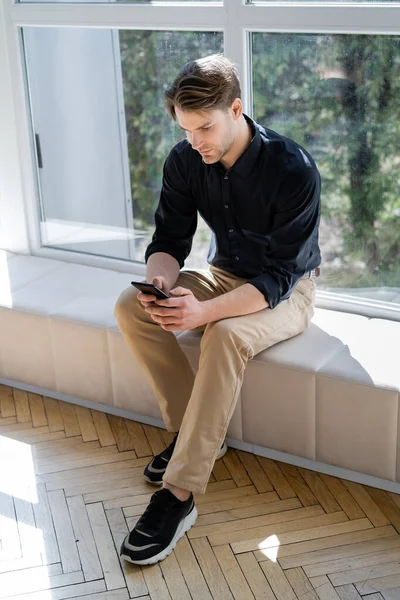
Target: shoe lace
x=154, y=515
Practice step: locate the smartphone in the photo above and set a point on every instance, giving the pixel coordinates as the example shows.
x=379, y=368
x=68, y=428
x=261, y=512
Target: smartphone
x=150, y=288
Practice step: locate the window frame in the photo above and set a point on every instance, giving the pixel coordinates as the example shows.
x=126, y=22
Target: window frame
x=19, y=217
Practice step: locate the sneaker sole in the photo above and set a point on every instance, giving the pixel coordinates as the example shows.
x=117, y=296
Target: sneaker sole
x=220, y=455
x=186, y=524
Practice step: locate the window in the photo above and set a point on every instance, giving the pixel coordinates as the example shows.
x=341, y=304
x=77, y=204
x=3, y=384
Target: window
x=338, y=95
x=102, y=133
x=83, y=143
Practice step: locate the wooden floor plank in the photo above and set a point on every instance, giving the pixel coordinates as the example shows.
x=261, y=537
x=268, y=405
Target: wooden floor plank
x=371, y=572
x=22, y=409
x=85, y=591
x=353, y=562
x=314, y=532
x=256, y=473
x=349, y=592
x=236, y=504
x=10, y=548
x=265, y=530
x=255, y=577
x=156, y=583
x=76, y=476
x=38, y=435
x=14, y=427
x=133, y=575
x=328, y=555
x=392, y=594
x=370, y=586
x=174, y=579
x=104, y=432
x=7, y=406
x=37, y=579
x=65, y=535
x=343, y=497
x=8, y=420
x=86, y=425
x=258, y=537
x=30, y=537
x=233, y=573
x=57, y=444
x=121, y=434
x=85, y=541
x=53, y=414
x=236, y=469
x=109, y=485
x=38, y=413
x=324, y=588
x=278, y=581
x=20, y=563
x=320, y=491
x=89, y=450
x=248, y=511
x=386, y=504
x=73, y=447
x=338, y=546
x=298, y=484
x=70, y=420
x=138, y=437
x=211, y=569
x=220, y=471
x=96, y=460
x=109, y=559
x=191, y=570
x=277, y=478
x=45, y=524
x=155, y=439
x=301, y=584
x=366, y=503
x=253, y=522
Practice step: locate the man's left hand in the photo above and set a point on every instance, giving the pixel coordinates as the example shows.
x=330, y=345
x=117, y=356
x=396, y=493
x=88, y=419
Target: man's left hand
x=180, y=312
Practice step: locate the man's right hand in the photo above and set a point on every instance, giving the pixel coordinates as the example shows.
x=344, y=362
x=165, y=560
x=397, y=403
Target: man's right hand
x=147, y=299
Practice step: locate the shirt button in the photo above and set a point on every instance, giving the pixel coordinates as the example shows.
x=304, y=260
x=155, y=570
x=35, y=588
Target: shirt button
x=231, y=231
x=226, y=205
x=236, y=258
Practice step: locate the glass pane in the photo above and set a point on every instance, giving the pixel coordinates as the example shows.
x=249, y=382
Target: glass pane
x=114, y=1
x=261, y=2
x=102, y=133
x=339, y=96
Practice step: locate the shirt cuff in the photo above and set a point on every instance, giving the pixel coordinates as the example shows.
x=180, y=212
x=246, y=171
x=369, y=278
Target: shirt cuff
x=269, y=287
x=168, y=249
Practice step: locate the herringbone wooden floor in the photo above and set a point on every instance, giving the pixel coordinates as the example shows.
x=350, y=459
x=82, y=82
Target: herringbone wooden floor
x=71, y=486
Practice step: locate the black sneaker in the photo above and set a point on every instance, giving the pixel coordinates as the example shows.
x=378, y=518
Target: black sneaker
x=156, y=468
x=163, y=523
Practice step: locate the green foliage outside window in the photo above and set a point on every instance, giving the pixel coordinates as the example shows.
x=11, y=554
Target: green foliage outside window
x=337, y=95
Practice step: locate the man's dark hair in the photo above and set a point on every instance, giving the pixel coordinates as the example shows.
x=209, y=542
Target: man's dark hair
x=207, y=83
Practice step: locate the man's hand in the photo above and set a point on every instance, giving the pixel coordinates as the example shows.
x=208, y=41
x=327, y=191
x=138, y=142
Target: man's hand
x=180, y=312
x=149, y=299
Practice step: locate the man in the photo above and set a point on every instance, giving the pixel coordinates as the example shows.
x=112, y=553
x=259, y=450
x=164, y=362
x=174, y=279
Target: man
x=260, y=194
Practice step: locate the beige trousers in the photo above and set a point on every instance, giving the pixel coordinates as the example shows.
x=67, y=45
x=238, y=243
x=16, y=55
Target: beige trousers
x=200, y=407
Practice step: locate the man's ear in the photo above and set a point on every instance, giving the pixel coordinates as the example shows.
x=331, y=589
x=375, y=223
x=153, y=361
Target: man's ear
x=237, y=108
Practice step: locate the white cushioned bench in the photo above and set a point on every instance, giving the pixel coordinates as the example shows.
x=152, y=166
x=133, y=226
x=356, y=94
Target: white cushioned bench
x=326, y=398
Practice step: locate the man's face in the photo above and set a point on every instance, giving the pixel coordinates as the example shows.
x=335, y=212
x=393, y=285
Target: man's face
x=210, y=132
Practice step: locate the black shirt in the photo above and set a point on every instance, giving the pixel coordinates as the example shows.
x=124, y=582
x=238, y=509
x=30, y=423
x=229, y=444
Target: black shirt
x=264, y=212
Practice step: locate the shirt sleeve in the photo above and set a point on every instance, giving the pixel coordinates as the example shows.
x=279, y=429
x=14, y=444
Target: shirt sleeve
x=294, y=233
x=176, y=214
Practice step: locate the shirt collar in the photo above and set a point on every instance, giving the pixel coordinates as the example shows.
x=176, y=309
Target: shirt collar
x=246, y=161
